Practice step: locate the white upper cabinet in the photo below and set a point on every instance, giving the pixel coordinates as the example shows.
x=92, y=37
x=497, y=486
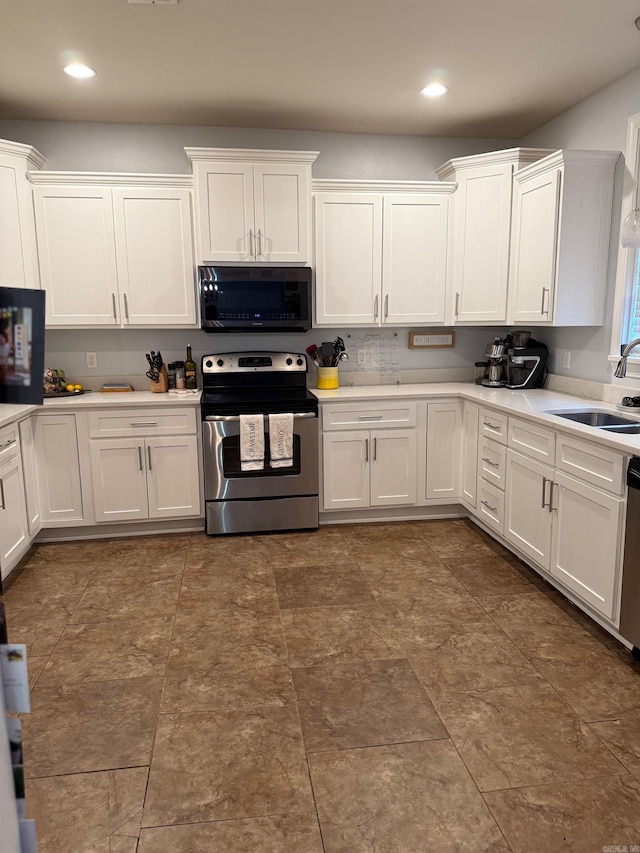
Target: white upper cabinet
x=380, y=252
x=115, y=250
x=560, y=239
x=481, y=230
x=252, y=206
x=18, y=257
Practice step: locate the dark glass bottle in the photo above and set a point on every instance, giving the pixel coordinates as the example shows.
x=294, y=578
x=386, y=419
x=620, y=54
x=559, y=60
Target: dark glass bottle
x=191, y=379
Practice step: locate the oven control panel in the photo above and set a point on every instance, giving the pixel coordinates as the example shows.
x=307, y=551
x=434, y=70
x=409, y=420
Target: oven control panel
x=254, y=362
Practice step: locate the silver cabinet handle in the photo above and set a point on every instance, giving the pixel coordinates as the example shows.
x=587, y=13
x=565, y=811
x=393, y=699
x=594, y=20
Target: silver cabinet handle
x=370, y=417
x=149, y=458
x=366, y=450
x=140, y=457
x=251, y=252
x=552, y=508
x=386, y=306
x=375, y=449
x=545, y=480
x=456, y=310
x=545, y=293
x=7, y=443
x=488, y=506
x=143, y=423
x=4, y=506
x=113, y=305
x=259, y=246
x=491, y=426
x=375, y=308
x=126, y=307
x=489, y=462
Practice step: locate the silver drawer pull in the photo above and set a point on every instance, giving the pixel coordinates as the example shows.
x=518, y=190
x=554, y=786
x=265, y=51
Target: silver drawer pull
x=370, y=417
x=491, y=426
x=489, y=462
x=4, y=506
x=366, y=450
x=488, y=506
x=149, y=457
x=140, y=457
x=8, y=443
x=553, y=508
x=545, y=480
x=143, y=423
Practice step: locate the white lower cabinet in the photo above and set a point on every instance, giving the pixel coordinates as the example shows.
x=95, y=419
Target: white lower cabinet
x=136, y=478
x=29, y=470
x=470, y=422
x=528, y=519
x=444, y=429
x=14, y=529
x=365, y=468
x=585, y=552
x=59, y=481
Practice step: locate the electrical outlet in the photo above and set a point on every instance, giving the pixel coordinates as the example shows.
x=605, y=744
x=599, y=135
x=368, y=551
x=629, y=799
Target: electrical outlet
x=566, y=359
x=92, y=359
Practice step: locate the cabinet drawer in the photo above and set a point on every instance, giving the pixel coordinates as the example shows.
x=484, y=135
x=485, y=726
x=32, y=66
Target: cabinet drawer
x=591, y=463
x=492, y=459
x=124, y=422
x=491, y=506
x=494, y=425
x=360, y=415
x=9, y=443
x=532, y=440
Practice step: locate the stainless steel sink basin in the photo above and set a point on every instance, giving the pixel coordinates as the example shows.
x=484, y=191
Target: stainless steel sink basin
x=599, y=419
x=625, y=430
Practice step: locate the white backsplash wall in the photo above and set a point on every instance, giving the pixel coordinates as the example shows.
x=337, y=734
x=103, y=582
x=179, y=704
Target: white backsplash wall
x=387, y=358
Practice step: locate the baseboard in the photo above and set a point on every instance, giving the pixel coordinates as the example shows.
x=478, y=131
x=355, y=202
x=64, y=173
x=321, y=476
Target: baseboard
x=370, y=514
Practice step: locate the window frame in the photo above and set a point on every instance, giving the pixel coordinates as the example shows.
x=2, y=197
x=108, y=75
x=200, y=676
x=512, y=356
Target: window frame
x=627, y=258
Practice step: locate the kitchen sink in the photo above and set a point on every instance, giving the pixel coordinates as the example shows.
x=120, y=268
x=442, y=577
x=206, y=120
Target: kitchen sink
x=599, y=419
x=625, y=430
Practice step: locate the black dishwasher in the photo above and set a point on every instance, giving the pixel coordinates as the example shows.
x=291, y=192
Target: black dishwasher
x=630, y=602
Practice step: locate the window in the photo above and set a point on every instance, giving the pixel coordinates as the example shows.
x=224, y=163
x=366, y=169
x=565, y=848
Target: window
x=626, y=316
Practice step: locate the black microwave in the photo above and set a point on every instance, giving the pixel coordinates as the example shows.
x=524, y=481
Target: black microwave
x=255, y=299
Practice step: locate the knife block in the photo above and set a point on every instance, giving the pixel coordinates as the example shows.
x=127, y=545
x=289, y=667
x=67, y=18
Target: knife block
x=162, y=384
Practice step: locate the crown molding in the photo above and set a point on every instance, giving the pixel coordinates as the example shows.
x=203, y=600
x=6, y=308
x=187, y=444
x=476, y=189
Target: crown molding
x=335, y=185
x=101, y=179
x=518, y=157
x=34, y=158
x=252, y=155
x=566, y=156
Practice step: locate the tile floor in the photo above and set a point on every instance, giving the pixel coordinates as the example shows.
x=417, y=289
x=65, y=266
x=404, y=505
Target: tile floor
x=392, y=688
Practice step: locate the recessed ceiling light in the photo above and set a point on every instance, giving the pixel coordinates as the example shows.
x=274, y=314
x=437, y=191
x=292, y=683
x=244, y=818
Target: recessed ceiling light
x=433, y=90
x=77, y=69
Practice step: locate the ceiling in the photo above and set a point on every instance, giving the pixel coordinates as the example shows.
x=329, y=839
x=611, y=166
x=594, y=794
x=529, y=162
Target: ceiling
x=332, y=65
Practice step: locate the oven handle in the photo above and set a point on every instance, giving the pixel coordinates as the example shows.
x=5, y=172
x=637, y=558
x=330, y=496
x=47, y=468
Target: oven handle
x=236, y=418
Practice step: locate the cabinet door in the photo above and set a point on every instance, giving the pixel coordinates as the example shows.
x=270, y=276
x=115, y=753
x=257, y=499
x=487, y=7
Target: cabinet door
x=348, y=258
x=482, y=223
x=77, y=253
x=29, y=470
x=18, y=263
x=281, y=193
x=470, y=421
x=224, y=212
x=414, y=258
x=346, y=465
x=534, y=247
x=14, y=530
x=173, y=481
x=443, y=450
x=119, y=479
x=528, y=520
x=155, y=256
x=586, y=543
x=59, y=484
x=393, y=467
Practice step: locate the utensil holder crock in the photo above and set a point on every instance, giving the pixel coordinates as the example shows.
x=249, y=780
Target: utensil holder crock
x=327, y=378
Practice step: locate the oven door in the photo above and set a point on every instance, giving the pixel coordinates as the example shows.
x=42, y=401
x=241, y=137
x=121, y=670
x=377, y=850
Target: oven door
x=224, y=479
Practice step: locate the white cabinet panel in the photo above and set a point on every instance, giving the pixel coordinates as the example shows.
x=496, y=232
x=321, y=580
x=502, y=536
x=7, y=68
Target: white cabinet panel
x=586, y=543
x=119, y=479
x=591, y=462
x=29, y=470
x=346, y=469
x=358, y=415
x=532, y=440
x=494, y=425
x=491, y=506
x=528, y=520
x=18, y=257
x=414, y=260
x=348, y=245
x=14, y=530
x=173, y=481
x=443, y=450
x=225, y=212
x=492, y=462
x=281, y=198
x=470, y=423
x=155, y=256
x=59, y=482
x=393, y=467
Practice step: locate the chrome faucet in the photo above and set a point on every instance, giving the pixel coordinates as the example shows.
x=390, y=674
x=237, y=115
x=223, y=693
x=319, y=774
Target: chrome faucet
x=621, y=369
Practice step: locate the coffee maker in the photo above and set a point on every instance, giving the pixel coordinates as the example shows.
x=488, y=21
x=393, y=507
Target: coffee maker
x=526, y=362
x=496, y=355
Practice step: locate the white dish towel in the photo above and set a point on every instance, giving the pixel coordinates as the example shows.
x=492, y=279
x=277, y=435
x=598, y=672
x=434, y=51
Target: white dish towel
x=251, y=442
x=281, y=440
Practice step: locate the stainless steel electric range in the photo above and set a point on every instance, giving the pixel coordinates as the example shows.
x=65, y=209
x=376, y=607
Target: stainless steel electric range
x=237, y=384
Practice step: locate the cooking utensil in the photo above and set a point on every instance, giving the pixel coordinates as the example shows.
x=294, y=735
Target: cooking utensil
x=326, y=350
x=314, y=355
